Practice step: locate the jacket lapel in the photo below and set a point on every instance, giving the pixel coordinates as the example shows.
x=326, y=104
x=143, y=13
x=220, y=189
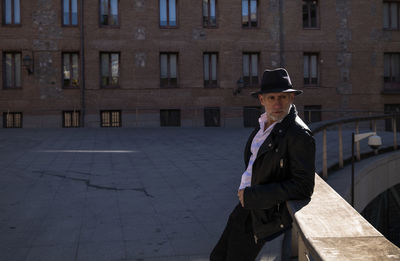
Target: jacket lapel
x=278, y=131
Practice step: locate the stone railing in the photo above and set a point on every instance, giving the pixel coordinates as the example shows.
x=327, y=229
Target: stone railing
x=327, y=227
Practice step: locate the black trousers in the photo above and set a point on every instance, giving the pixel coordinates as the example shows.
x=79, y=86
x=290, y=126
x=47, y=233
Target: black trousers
x=237, y=241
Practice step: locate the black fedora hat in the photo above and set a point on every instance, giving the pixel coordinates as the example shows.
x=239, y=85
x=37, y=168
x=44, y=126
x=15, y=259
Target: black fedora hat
x=276, y=80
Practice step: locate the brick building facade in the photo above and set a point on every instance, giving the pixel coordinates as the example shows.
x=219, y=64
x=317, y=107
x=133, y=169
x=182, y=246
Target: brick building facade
x=191, y=62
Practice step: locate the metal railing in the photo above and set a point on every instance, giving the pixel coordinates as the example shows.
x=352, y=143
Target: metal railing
x=325, y=125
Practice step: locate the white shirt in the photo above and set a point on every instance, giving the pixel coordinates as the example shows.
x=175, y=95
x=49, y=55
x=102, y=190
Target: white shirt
x=258, y=140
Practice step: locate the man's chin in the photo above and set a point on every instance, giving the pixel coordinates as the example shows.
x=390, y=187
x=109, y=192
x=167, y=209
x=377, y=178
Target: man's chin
x=277, y=116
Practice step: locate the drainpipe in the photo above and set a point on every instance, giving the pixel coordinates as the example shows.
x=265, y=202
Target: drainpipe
x=82, y=55
x=281, y=35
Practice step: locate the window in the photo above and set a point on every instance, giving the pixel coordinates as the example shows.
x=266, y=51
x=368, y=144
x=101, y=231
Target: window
x=12, y=120
x=170, y=118
x=312, y=113
x=11, y=12
x=212, y=117
x=391, y=15
x=310, y=69
x=391, y=76
x=210, y=69
x=250, y=69
x=70, y=70
x=168, y=70
x=71, y=119
x=310, y=14
x=209, y=17
x=110, y=118
x=109, y=12
x=12, y=70
x=249, y=13
x=70, y=12
x=168, y=13
x=389, y=109
x=251, y=115
x=109, y=69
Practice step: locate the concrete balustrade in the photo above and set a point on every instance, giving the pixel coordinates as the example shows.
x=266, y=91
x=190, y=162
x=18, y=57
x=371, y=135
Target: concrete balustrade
x=328, y=228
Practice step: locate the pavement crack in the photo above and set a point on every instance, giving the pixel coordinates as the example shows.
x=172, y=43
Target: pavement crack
x=88, y=184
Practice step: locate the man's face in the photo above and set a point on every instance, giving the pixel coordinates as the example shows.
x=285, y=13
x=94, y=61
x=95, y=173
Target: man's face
x=277, y=104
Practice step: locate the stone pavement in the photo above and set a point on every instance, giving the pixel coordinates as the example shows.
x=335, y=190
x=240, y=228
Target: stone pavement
x=118, y=194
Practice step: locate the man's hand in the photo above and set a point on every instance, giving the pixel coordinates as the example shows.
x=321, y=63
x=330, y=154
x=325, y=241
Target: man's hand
x=240, y=195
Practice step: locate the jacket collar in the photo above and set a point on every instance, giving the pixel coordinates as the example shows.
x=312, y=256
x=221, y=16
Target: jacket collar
x=279, y=130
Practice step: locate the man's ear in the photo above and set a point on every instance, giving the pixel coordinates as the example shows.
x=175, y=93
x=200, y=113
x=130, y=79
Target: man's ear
x=261, y=98
x=292, y=97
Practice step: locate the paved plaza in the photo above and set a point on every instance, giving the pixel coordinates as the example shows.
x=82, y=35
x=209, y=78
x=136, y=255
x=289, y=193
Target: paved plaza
x=121, y=194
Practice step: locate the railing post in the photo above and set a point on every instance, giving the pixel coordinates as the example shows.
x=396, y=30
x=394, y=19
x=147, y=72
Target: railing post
x=324, y=157
x=303, y=252
x=394, y=133
x=358, y=143
x=340, y=146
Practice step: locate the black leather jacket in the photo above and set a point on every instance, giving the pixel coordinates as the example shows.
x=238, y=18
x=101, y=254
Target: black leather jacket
x=284, y=169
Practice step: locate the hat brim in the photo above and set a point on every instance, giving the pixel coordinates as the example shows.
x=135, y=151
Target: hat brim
x=296, y=92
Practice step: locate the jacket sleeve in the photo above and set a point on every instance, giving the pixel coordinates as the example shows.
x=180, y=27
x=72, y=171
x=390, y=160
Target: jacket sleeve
x=300, y=185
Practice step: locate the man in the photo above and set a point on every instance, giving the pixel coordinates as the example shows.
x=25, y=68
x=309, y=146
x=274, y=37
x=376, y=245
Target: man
x=280, y=166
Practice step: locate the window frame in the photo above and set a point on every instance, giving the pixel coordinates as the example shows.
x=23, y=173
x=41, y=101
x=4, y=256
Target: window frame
x=210, y=84
x=309, y=27
x=390, y=28
x=169, y=85
x=110, y=70
x=110, y=112
x=62, y=69
x=108, y=15
x=251, y=83
x=13, y=115
x=317, y=109
x=13, y=87
x=212, y=109
x=254, y=112
x=168, y=26
x=12, y=24
x=249, y=15
x=167, y=123
x=208, y=25
x=310, y=84
x=70, y=14
x=391, y=86
x=72, y=118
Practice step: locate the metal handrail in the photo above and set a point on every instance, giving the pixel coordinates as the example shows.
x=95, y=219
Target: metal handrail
x=324, y=125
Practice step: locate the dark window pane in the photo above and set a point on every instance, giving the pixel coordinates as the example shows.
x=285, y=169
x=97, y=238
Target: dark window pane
x=170, y=117
x=66, y=12
x=312, y=113
x=251, y=115
x=305, y=15
x=74, y=12
x=392, y=108
x=313, y=15
x=104, y=12
x=211, y=117
x=245, y=13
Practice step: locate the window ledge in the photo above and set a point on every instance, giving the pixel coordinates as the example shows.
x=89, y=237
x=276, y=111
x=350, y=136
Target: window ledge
x=71, y=87
x=12, y=88
x=311, y=28
x=111, y=87
x=390, y=91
